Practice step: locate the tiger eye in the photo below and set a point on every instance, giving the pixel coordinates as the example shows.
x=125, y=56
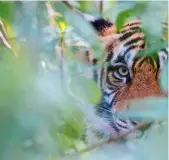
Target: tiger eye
x=123, y=71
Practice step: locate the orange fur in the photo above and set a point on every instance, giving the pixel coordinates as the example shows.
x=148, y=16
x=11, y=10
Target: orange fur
x=143, y=84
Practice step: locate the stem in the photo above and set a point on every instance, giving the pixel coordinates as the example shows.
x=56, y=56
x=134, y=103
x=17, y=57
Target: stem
x=112, y=139
x=101, y=7
x=59, y=50
x=72, y=8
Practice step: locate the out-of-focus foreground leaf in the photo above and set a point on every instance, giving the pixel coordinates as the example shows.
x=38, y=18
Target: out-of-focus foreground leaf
x=153, y=146
x=86, y=90
x=164, y=77
x=37, y=118
x=7, y=10
x=152, y=108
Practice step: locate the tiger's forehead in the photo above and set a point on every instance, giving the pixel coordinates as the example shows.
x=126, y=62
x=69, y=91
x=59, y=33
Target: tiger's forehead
x=125, y=47
x=122, y=54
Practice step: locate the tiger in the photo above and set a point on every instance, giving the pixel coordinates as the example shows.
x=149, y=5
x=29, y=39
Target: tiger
x=123, y=77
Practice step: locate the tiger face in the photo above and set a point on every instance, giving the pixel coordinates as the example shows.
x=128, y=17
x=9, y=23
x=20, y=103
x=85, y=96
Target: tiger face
x=125, y=77
x=128, y=77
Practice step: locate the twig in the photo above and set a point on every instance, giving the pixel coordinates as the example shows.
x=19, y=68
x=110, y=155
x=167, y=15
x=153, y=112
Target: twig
x=4, y=38
x=59, y=50
x=111, y=139
x=3, y=30
x=51, y=13
x=101, y=7
x=72, y=8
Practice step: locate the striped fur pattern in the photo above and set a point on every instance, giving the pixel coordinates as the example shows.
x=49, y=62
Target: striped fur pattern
x=124, y=77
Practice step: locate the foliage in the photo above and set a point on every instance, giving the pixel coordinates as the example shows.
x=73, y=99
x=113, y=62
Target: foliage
x=43, y=88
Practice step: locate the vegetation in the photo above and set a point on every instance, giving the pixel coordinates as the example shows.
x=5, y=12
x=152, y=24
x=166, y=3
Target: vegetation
x=43, y=87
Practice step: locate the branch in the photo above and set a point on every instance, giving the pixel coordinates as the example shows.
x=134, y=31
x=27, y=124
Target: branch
x=72, y=8
x=4, y=38
x=51, y=14
x=112, y=139
x=59, y=50
x=101, y=7
x=3, y=30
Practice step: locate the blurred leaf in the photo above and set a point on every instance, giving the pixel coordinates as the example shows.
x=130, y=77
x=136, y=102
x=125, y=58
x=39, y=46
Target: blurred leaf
x=152, y=49
x=153, y=15
x=148, y=109
x=86, y=90
x=39, y=118
x=7, y=10
x=9, y=29
x=62, y=25
x=116, y=8
x=154, y=146
x=87, y=7
x=85, y=31
x=164, y=77
x=123, y=16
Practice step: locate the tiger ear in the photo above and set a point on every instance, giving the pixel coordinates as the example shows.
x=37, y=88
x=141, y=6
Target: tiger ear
x=101, y=26
x=106, y=32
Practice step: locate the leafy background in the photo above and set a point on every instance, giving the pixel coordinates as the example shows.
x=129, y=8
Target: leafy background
x=43, y=88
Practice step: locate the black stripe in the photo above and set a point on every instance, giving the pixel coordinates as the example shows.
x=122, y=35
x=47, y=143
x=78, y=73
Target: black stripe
x=95, y=76
x=158, y=63
x=108, y=94
x=151, y=61
x=108, y=80
x=113, y=100
x=118, y=80
x=141, y=62
x=143, y=45
x=114, y=126
x=134, y=29
x=122, y=126
x=112, y=87
x=100, y=24
x=109, y=57
x=125, y=36
x=131, y=24
x=123, y=120
x=133, y=41
x=101, y=78
x=158, y=67
x=165, y=50
x=134, y=123
x=130, y=48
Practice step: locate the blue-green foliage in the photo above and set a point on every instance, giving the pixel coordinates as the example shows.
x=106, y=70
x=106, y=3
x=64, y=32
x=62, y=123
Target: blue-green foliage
x=41, y=108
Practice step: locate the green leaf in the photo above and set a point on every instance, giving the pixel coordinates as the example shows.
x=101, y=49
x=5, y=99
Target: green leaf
x=7, y=10
x=148, y=109
x=85, y=31
x=154, y=145
x=85, y=90
x=9, y=29
x=116, y=8
x=152, y=49
x=152, y=15
x=123, y=16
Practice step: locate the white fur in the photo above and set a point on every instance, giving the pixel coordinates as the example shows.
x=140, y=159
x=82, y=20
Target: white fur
x=162, y=58
x=88, y=17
